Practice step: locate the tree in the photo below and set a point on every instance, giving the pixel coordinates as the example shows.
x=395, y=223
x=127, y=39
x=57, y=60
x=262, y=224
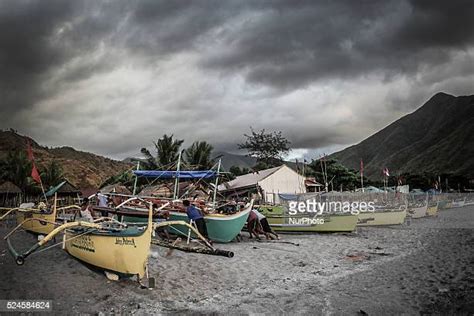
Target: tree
x=167, y=151
x=337, y=174
x=17, y=168
x=52, y=175
x=236, y=171
x=198, y=155
x=268, y=148
x=126, y=178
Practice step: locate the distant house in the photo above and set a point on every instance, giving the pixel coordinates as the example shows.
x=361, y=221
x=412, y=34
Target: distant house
x=10, y=194
x=266, y=183
x=312, y=185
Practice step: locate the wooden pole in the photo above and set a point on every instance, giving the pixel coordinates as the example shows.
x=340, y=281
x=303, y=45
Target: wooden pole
x=136, y=179
x=216, y=183
x=176, y=181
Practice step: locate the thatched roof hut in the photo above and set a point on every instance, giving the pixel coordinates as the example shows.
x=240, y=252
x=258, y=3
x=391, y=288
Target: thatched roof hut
x=10, y=194
x=65, y=188
x=8, y=187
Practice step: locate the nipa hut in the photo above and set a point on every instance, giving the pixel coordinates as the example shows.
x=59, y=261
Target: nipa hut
x=10, y=194
x=67, y=193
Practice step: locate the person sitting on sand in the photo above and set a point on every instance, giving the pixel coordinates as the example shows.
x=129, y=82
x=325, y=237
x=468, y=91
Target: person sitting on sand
x=266, y=229
x=195, y=214
x=85, y=211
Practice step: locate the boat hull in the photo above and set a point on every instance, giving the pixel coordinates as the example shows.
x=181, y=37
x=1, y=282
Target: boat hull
x=327, y=223
x=220, y=228
x=432, y=210
x=124, y=252
x=379, y=218
x=40, y=223
x=418, y=212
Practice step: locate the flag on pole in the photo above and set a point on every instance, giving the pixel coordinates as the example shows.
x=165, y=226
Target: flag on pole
x=361, y=167
x=35, y=174
x=386, y=172
x=34, y=171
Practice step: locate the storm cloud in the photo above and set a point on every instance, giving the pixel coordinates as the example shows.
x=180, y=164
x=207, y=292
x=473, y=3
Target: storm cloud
x=111, y=76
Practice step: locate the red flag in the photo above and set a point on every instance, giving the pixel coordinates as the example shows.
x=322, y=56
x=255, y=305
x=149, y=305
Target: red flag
x=29, y=151
x=35, y=174
x=361, y=166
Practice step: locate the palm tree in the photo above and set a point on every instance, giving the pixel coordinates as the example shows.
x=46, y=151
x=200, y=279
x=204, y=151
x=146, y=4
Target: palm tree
x=52, y=175
x=167, y=151
x=198, y=155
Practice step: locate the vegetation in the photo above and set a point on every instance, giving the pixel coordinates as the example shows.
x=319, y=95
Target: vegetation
x=16, y=168
x=338, y=176
x=52, y=175
x=167, y=152
x=198, y=156
x=268, y=148
x=125, y=178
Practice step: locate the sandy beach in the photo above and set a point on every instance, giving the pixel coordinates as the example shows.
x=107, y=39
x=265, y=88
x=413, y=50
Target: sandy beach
x=423, y=266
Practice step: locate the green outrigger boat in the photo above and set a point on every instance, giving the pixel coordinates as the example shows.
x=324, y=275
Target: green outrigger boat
x=220, y=228
x=326, y=223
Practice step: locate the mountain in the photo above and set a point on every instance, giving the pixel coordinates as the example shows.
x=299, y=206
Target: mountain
x=229, y=160
x=83, y=169
x=437, y=138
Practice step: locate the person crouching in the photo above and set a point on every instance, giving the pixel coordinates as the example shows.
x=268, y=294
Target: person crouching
x=195, y=214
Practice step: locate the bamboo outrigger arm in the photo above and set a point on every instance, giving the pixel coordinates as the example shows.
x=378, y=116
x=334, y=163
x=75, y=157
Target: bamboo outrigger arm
x=211, y=250
x=20, y=258
x=17, y=209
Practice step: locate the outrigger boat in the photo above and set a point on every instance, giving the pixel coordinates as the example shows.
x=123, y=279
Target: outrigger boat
x=39, y=220
x=107, y=244
x=331, y=222
x=382, y=217
x=418, y=211
x=458, y=203
x=222, y=228
x=432, y=210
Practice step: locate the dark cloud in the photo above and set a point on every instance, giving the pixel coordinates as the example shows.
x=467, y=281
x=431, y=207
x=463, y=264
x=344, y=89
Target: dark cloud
x=293, y=45
x=326, y=73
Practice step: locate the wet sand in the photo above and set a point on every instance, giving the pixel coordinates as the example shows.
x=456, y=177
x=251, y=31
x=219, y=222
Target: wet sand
x=426, y=266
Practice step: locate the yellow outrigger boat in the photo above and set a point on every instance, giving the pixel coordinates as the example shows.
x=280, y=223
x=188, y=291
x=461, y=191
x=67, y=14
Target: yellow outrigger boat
x=108, y=244
x=104, y=243
x=432, y=210
x=37, y=220
x=382, y=218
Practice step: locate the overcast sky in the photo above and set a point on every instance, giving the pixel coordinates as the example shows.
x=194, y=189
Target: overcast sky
x=112, y=76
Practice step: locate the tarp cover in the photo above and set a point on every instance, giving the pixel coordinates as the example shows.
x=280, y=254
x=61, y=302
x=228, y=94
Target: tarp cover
x=165, y=174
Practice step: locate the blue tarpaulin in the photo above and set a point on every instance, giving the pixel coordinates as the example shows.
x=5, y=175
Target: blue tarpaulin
x=195, y=174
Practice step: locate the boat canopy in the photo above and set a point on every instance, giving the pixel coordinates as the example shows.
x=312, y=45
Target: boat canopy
x=168, y=174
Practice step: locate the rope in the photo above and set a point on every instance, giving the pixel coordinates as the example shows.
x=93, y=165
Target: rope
x=61, y=242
